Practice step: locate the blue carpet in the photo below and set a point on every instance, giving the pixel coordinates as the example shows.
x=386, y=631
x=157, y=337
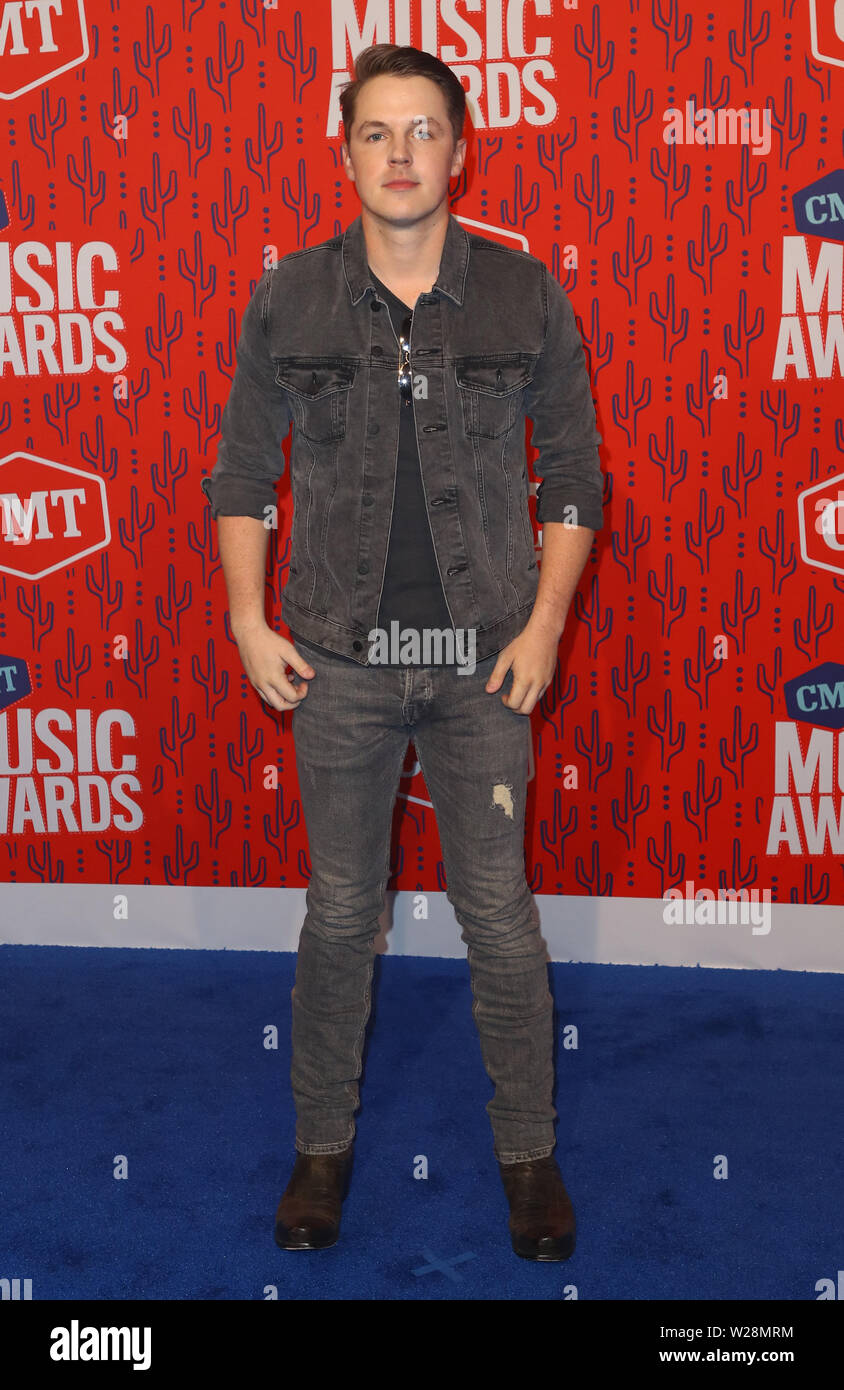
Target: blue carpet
x=159, y=1056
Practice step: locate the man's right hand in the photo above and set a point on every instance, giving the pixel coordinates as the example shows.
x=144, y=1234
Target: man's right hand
x=265, y=656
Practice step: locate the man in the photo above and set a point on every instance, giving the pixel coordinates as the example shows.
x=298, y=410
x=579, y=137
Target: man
x=407, y=354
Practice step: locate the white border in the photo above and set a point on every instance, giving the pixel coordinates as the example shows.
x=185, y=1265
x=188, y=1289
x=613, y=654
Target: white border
x=813, y=26
x=605, y=931
x=56, y=72
x=801, y=518
x=80, y=555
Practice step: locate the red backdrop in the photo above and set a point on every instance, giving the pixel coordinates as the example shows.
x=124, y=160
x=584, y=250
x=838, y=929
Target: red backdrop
x=158, y=157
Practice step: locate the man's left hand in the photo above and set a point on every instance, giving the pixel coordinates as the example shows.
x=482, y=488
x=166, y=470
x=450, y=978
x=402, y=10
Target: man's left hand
x=533, y=656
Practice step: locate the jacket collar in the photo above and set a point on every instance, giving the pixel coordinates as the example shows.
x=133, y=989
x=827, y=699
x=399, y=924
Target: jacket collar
x=454, y=262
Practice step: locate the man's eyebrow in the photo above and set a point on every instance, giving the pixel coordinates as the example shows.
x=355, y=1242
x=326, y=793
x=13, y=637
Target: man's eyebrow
x=383, y=125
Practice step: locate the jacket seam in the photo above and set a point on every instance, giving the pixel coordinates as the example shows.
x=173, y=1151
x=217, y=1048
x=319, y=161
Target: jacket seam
x=265, y=306
x=358, y=632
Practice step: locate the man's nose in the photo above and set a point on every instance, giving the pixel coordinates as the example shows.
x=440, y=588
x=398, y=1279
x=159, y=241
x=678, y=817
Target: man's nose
x=400, y=153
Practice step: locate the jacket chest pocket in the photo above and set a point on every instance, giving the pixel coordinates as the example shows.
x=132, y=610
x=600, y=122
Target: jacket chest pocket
x=318, y=390
x=490, y=391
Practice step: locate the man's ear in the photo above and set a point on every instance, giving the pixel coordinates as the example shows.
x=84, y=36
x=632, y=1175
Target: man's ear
x=458, y=158
x=347, y=165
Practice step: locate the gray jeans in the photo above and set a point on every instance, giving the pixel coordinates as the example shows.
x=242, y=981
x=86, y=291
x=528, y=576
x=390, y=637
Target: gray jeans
x=351, y=733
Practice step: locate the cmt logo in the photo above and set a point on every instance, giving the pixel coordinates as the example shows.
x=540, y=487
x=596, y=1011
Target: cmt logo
x=819, y=209
x=826, y=20
x=14, y=680
x=50, y=515
x=38, y=40
x=818, y=697
x=821, y=516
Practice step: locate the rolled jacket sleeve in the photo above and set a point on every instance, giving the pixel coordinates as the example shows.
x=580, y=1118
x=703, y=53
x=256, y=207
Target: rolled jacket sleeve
x=255, y=420
x=559, y=402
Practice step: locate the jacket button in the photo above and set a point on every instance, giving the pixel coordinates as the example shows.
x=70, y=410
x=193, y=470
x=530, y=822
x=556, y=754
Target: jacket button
x=455, y=569
x=377, y=351
x=367, y=499
x=364, y=568
x=437, y=501
x=373, y=427
x=375, y=305
x=357, y=646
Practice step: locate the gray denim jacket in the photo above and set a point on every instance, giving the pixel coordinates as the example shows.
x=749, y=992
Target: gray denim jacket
x=495, y=340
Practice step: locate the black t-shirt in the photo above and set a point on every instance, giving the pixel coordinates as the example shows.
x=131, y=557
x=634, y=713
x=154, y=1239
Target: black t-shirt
x=413, y=593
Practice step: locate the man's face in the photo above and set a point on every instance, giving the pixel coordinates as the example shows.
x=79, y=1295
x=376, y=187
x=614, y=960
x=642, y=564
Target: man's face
x=401, y=151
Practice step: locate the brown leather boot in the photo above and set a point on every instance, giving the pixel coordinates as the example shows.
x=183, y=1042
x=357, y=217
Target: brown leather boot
x=542, y=1223
x=308, y=1215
